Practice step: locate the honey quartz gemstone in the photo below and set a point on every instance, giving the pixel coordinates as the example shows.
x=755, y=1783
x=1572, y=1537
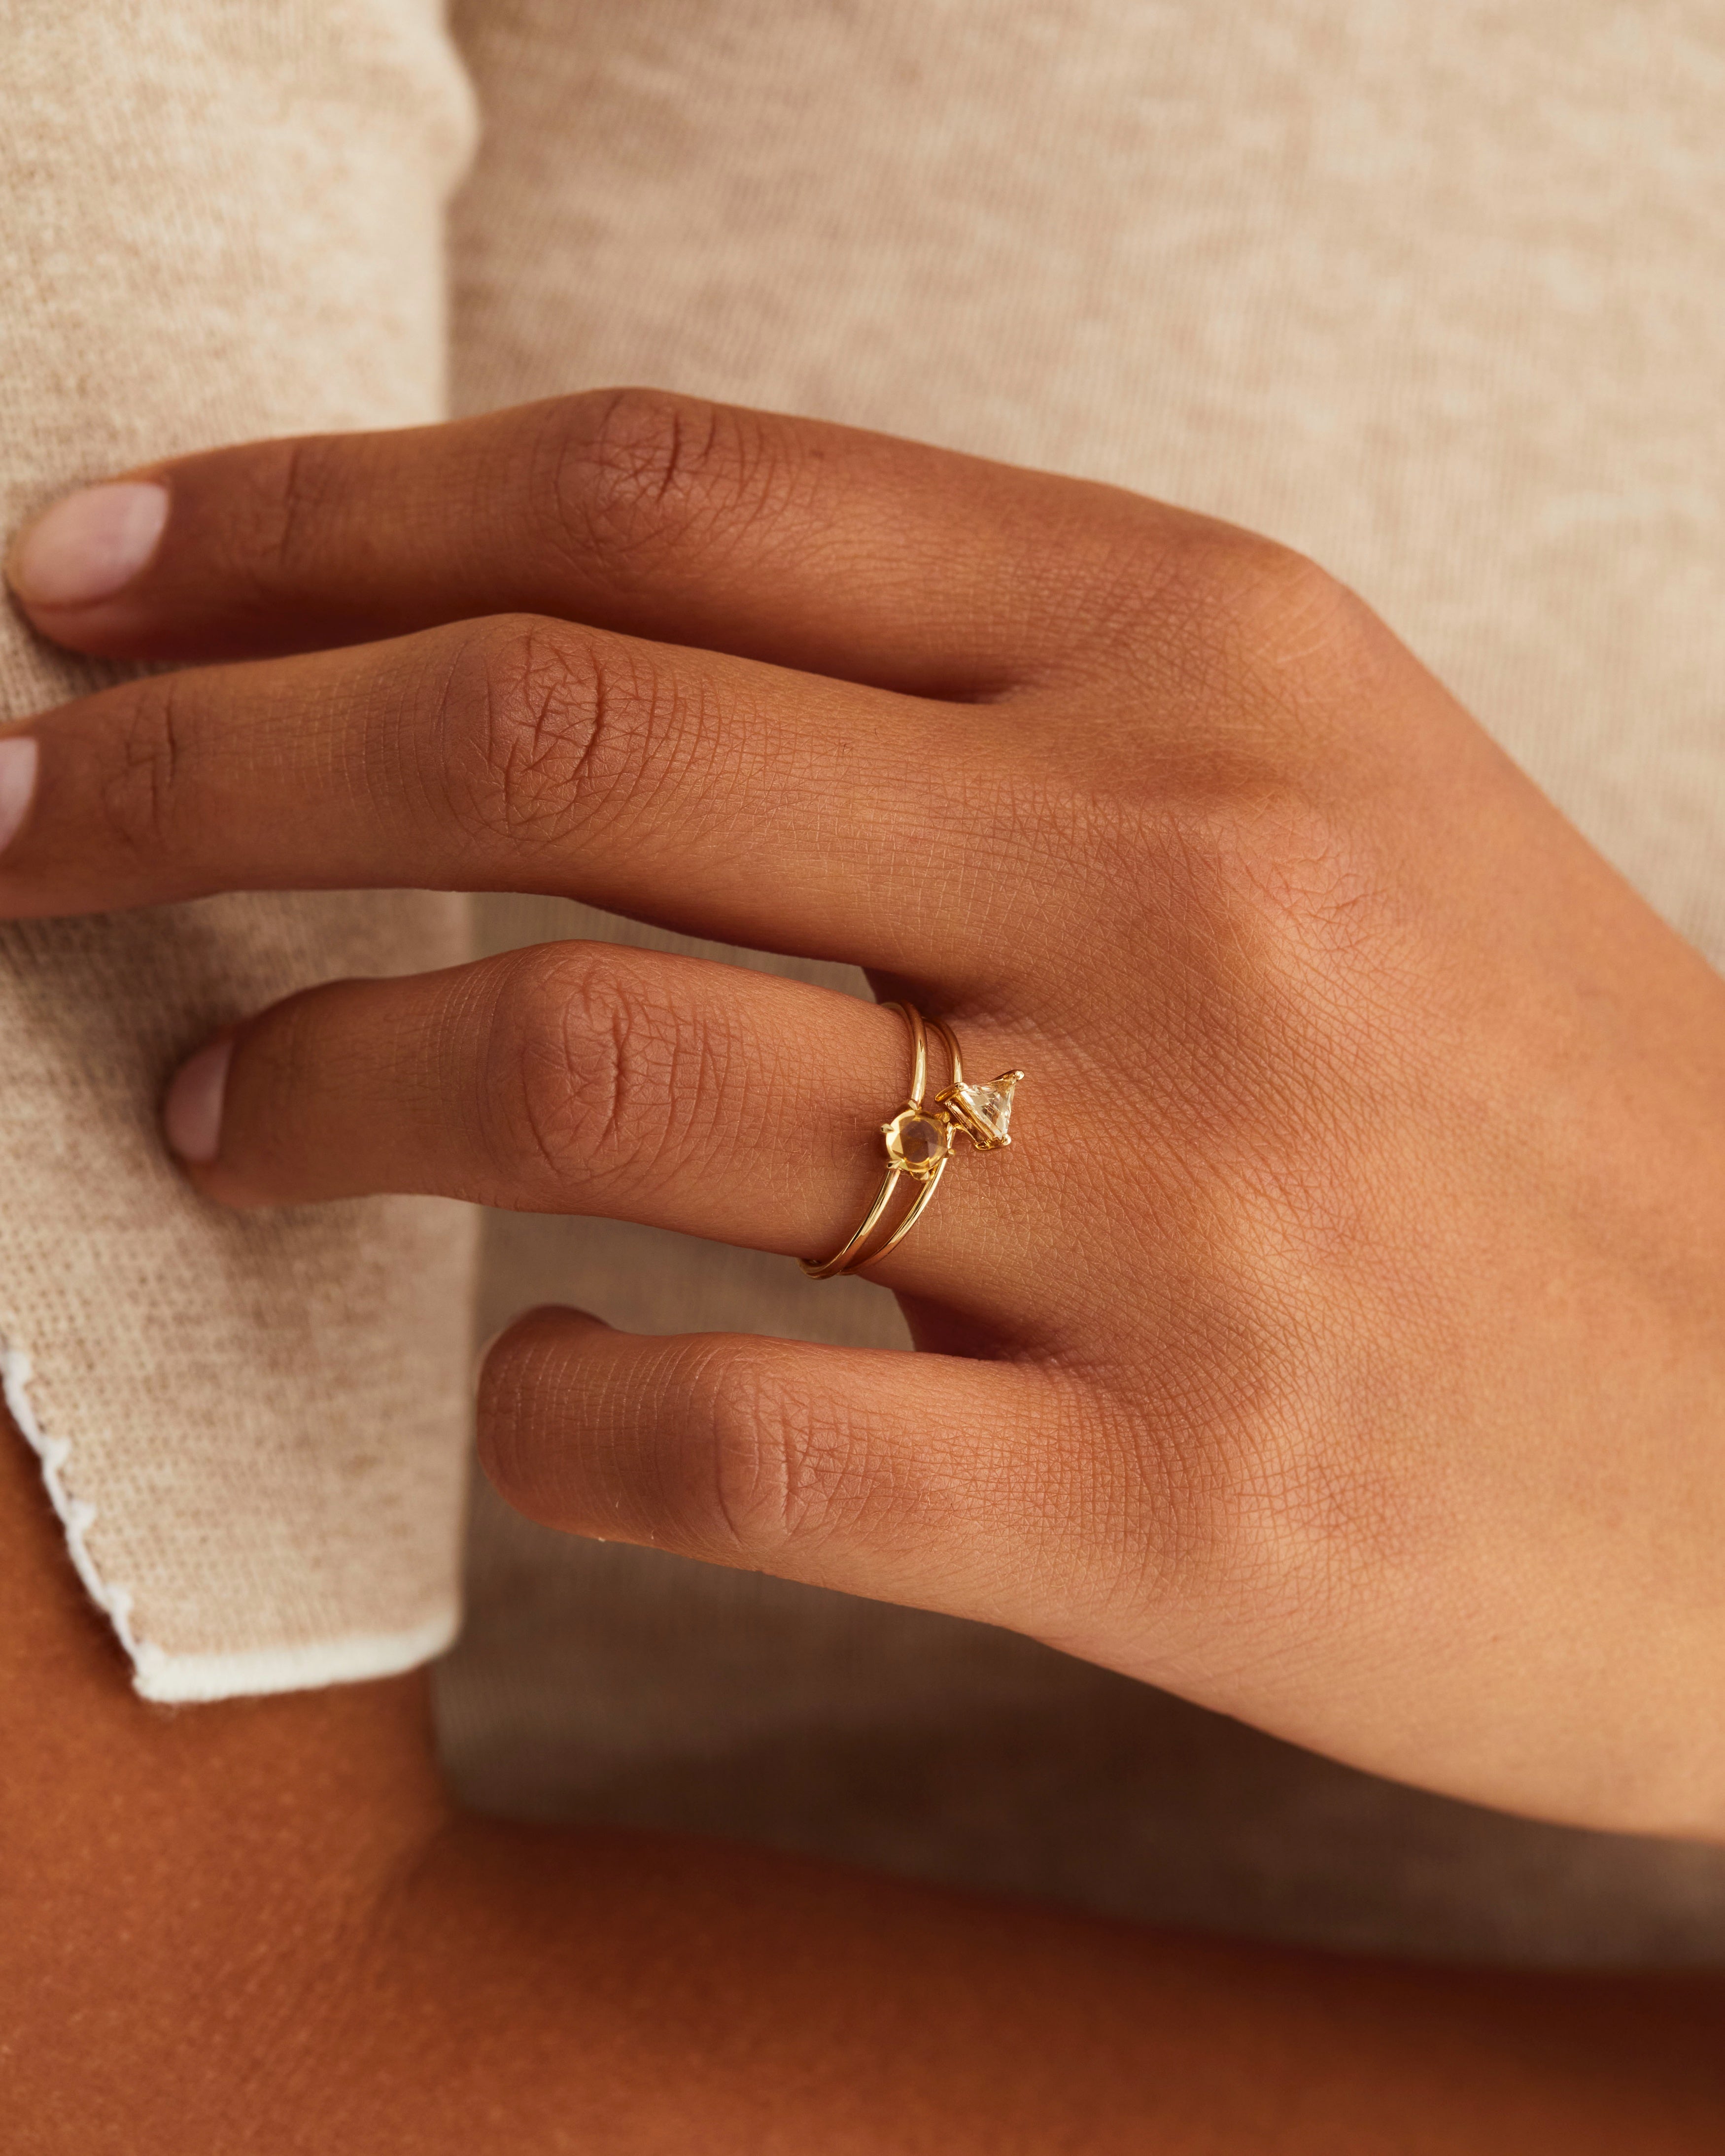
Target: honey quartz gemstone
x=918, y=1141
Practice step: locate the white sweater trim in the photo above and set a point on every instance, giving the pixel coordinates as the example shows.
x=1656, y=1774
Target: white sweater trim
x=252, y=1671
x=159, y=1674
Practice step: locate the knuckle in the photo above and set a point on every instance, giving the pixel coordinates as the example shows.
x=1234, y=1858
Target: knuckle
x=143, y=780
x=1271, y=610
x=635, y=473
x=1272, y=927
x=1286, y=609
x=769, y=1473
x=1279, y=877
x=281, y=495
x=1209, y=605
x=542, y=726
x=1237, y=792
x=586, y=1084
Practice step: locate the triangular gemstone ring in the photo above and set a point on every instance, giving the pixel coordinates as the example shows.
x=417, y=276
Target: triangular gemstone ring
x=919, y=1145
x=982, y=1112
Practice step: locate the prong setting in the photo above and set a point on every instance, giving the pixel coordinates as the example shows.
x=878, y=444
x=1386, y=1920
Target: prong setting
x=919, y=1144
x=982, y=1112
x=917, y=1140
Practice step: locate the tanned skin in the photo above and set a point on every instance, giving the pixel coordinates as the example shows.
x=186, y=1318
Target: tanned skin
x=1341, y=1343
x=263, y=1927
x=1366, y=1385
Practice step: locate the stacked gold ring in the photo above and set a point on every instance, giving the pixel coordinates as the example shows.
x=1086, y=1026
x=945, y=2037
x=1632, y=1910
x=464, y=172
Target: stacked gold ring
x=919, y=1143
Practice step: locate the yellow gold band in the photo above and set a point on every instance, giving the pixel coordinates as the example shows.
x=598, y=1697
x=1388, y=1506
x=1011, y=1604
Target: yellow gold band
x=919, y=1143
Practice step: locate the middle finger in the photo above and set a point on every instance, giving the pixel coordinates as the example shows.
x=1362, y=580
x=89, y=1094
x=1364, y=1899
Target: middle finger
x=720, y=796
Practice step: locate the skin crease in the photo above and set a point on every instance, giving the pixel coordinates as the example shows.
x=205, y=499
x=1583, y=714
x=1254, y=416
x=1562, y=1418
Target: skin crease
x=1361, y=1382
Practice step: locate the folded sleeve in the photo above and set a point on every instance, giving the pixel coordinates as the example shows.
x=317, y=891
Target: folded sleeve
x=220, y=222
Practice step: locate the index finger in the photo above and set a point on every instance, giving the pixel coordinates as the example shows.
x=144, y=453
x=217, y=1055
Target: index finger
x=813, y=547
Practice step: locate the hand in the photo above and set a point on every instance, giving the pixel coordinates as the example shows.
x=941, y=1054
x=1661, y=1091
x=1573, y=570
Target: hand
x=1341, y=1342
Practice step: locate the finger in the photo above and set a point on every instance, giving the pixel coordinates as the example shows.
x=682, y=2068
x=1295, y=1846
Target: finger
x=723, y=798
x=590, y=1078
x=812, y=546
x=910, y=1478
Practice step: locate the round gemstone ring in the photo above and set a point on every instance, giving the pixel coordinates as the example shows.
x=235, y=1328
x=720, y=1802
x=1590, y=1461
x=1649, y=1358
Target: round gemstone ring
x=919, y=1143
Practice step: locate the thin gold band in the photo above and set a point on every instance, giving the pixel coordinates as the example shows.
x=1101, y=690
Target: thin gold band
x=980, y=1113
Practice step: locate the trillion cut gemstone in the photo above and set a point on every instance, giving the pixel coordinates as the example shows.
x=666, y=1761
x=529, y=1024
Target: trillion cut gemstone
x=985, y=1111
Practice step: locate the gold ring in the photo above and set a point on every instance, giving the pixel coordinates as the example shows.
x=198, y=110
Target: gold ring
x=919, y=1143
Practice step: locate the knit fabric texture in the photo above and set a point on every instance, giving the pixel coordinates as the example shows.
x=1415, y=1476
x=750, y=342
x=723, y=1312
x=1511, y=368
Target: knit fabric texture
x=220, y=223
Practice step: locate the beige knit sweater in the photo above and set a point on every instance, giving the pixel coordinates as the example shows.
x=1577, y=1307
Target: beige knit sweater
x=1433, y=293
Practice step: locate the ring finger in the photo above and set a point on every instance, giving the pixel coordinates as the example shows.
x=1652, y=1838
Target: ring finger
x=585, y=1078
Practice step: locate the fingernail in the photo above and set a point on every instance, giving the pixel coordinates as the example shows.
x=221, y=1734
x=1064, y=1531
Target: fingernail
x=89, y=545
x=192, y=1113
x=18, y=784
